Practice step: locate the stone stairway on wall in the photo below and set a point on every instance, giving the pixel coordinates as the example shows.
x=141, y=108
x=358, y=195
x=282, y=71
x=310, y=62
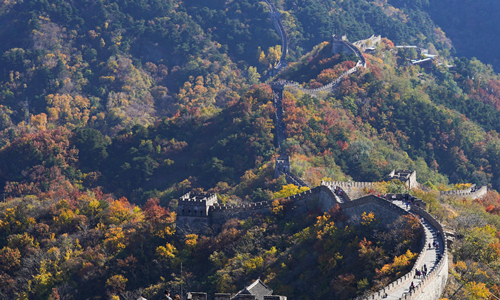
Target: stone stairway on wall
x=283, y=166
x=429, y=287
x=278, y=24
x=436, y=260
x=283, y=161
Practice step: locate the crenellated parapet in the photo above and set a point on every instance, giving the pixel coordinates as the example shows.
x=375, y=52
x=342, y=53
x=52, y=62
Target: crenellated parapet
x=247, y=206
x=348, y=184
x=473, y=192
x=387, y=211
x=433, y=284
x=349, y=188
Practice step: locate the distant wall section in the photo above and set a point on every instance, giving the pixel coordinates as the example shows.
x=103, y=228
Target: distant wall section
x=473, y=192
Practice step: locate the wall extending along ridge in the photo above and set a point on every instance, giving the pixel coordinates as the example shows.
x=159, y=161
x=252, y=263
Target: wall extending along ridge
x=372, y=41
x=471, y=192
x=328, y=87
x=350, y=189
x=278, y=24
x=350, y=184
x=332, y=85
x=433, y=284
x=323, y=197
x=220, y=214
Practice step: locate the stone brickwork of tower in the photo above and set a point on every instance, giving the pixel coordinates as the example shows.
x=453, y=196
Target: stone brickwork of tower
x=193, y=212
x=196, y=204
x=407, y=176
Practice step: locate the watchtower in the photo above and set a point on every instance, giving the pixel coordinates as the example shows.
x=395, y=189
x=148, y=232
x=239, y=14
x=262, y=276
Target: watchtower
x=407, y=176
x=282, y=166
x=195, y=204
x=193, y=212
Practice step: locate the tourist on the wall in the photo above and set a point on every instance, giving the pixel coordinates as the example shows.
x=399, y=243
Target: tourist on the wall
x=166, y=295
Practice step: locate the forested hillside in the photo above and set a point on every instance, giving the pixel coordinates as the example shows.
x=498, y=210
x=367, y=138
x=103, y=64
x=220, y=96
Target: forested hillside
x=111, y=110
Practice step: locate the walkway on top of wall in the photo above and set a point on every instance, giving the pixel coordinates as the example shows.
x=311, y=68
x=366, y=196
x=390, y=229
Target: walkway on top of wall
x=430, y=258
x=339, y=199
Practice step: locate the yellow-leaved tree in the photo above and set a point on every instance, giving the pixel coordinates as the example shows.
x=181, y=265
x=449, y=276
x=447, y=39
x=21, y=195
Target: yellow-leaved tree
x=290, y=190
x=166, y=252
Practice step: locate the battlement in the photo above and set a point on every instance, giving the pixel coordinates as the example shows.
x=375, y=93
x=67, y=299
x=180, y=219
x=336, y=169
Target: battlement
x=346, y=184
x=304, y=195
x=198, y=197
x=384, y=208
x=473, y=192
x=196, y=204
x=248, y=206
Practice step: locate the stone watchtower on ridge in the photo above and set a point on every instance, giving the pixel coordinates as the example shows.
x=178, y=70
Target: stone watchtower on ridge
x=196, y=204
x=409, y=177
x=192, y=211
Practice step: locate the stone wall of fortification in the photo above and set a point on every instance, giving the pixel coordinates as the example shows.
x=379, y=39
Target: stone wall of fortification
x=278, y=25
x=369, y=42
x=413, y=180
x=468, y=193
x=433, y=284
x=351, y=189
x=322, y=197
x=338, y=46
x=344, y=184
x=459, y=192
x=220, y=214
x=384, y=210
x=328, y=87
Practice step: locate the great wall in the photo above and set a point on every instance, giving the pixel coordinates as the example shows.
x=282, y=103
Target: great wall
x=201, y=212
x=283, y=166
x=322, y=198
x=338, y=45
x=278, y=24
